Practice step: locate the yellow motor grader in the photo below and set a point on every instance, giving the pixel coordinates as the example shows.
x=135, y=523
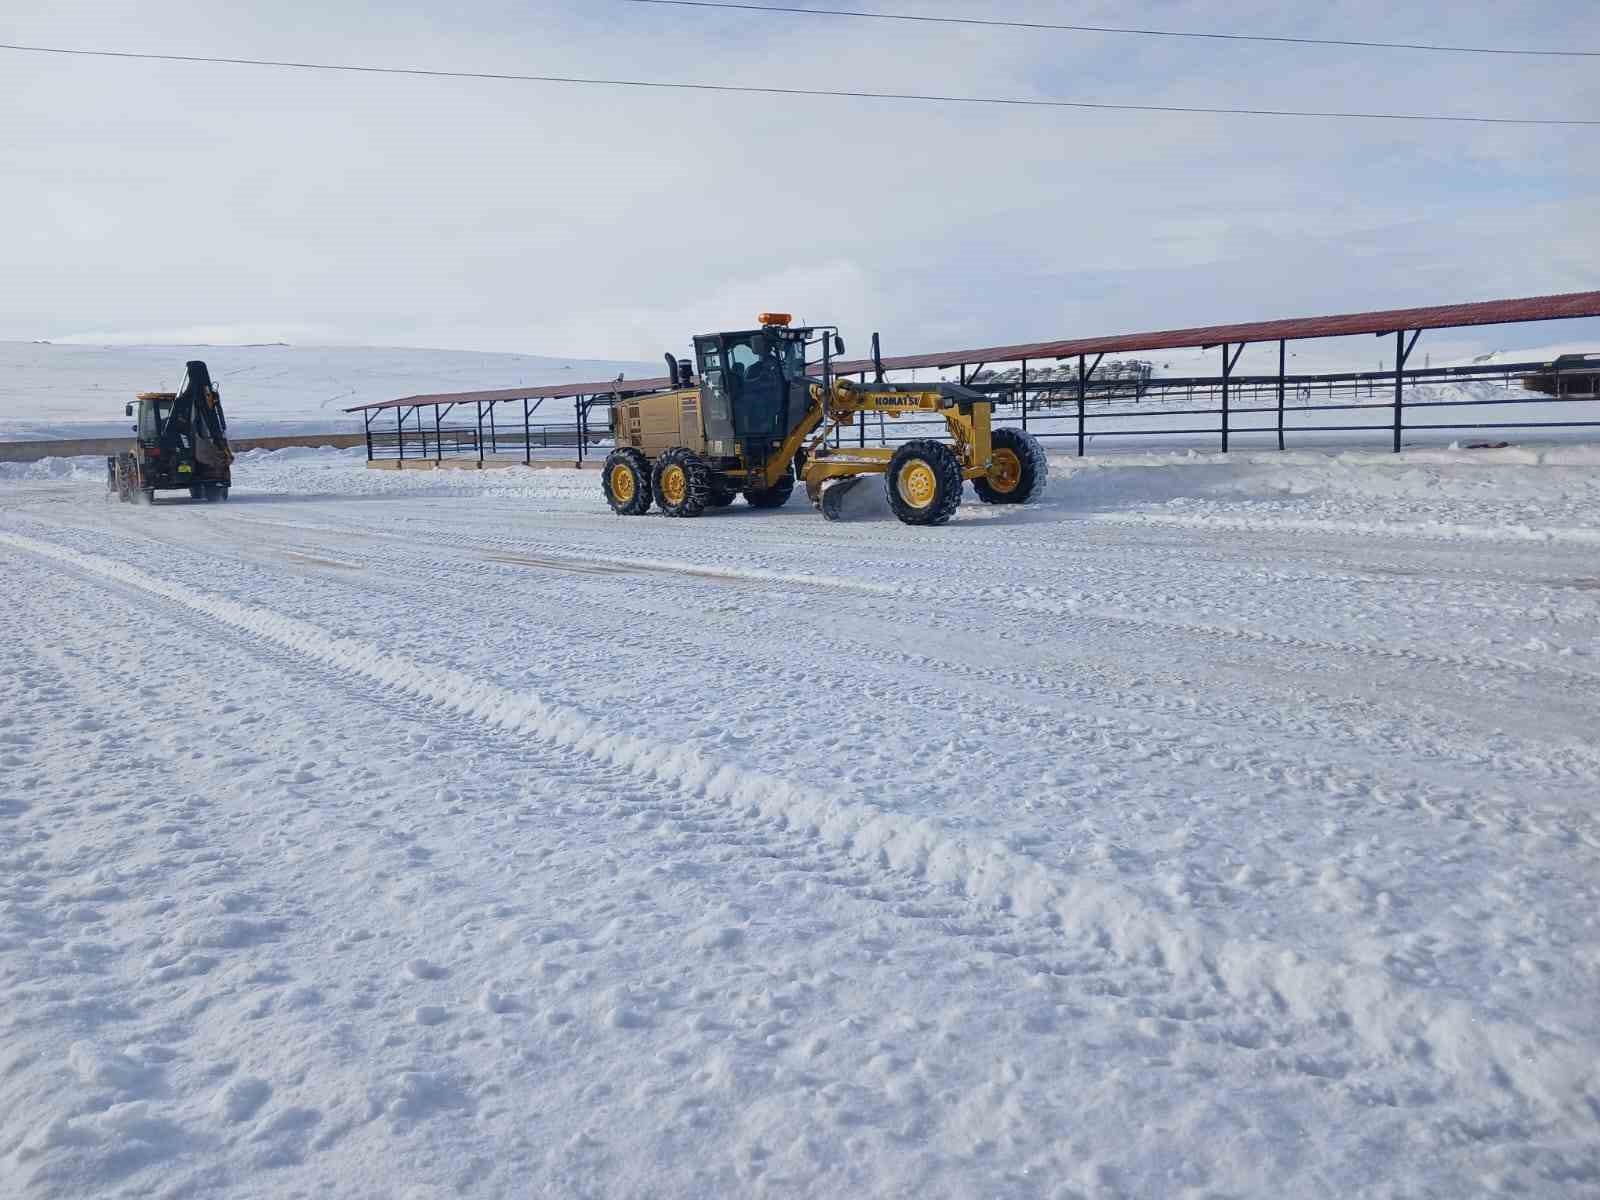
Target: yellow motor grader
x=756, y=418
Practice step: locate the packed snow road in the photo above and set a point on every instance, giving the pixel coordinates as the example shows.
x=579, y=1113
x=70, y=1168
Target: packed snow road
x=1210, y=828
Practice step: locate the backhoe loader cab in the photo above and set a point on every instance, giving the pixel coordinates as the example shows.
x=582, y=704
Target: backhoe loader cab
x=756, y=413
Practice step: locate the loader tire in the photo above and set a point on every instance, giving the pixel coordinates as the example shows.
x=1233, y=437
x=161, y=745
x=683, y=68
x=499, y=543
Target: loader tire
x=1018, y=471
x=625, y=479
x=775, y=496
x=124, y=481
x=923, y=482
x=681, y=483
x=197, y=491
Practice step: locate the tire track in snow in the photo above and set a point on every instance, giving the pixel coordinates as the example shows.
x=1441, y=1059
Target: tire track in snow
x=1144, y=993
x=1033, y=600
x=1463, y=803
x=1381, y=1012
x=1420, y=530
x=1042, y=601
x=1146, y=1005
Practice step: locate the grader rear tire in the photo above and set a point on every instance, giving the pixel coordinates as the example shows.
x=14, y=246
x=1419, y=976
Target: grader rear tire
x=681, y=483
x=625, y=479
x=1019, y=471
x=775, y=496
x=923, y=483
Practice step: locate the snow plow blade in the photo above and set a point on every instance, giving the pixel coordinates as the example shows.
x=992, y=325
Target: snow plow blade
x=848, y=499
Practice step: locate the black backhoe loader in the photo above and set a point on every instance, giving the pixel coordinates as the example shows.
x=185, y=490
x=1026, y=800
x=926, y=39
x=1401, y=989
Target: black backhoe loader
x=182, y=444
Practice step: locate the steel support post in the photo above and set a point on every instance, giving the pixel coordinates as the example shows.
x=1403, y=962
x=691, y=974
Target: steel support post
x=1280, y=393
x=1225, y=373
x=577, y=408
x=527, y=436
x=400, y=434
x=1399, y=385
x=1023, y=392
x=478, y=404
x=1402, y=351
x=438, y=436
x=1083, y=383
x=494, y=440
x=1229, y=361
x=366, y=421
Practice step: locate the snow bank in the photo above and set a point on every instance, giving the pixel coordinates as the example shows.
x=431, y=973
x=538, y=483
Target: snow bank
x=83, y=468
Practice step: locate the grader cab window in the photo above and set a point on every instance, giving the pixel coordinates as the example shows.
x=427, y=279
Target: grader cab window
x=759, y=389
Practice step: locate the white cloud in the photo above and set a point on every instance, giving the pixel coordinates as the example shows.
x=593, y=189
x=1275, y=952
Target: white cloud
x=160, y=197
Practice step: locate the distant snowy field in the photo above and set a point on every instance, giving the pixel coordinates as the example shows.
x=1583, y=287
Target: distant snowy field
x=49, y=391
x=1214, y=827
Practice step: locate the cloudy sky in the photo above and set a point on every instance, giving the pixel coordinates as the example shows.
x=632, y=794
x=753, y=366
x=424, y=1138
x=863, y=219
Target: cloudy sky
x=165, y=202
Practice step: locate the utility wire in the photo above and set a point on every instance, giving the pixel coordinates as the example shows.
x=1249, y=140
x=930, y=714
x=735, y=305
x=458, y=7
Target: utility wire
x=1015, y=102
x=1166, y=33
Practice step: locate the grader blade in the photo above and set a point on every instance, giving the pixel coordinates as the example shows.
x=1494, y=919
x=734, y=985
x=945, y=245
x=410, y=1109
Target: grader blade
x=853, y=498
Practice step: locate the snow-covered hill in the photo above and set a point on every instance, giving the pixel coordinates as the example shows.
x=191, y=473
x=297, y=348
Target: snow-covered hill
x=79, y=391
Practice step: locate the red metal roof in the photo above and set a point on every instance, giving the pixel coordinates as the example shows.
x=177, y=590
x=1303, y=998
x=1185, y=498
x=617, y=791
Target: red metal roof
x=624, y=387
x=1444, y=316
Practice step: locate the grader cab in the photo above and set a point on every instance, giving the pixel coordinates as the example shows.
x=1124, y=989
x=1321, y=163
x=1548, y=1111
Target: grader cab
x=757, y=416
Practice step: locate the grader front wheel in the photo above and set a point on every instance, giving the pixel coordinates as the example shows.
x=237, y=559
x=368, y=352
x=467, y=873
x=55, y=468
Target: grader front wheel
x=923, y=483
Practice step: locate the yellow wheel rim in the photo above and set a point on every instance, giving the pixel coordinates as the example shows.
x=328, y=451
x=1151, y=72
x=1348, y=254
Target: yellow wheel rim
x=674, y=485
x=622, y=483
x=1005, y=471
x=917, y=484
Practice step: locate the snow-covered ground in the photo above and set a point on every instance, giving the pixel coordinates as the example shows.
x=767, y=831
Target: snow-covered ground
x=1214, y=827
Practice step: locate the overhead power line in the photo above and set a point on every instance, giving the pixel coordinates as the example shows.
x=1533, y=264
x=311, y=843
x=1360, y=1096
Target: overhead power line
x=591, y=81
x=1121, y=29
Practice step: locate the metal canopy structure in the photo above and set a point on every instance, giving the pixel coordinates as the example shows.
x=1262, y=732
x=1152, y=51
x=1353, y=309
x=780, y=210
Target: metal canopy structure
x=412, y=438
x=1446, y=316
